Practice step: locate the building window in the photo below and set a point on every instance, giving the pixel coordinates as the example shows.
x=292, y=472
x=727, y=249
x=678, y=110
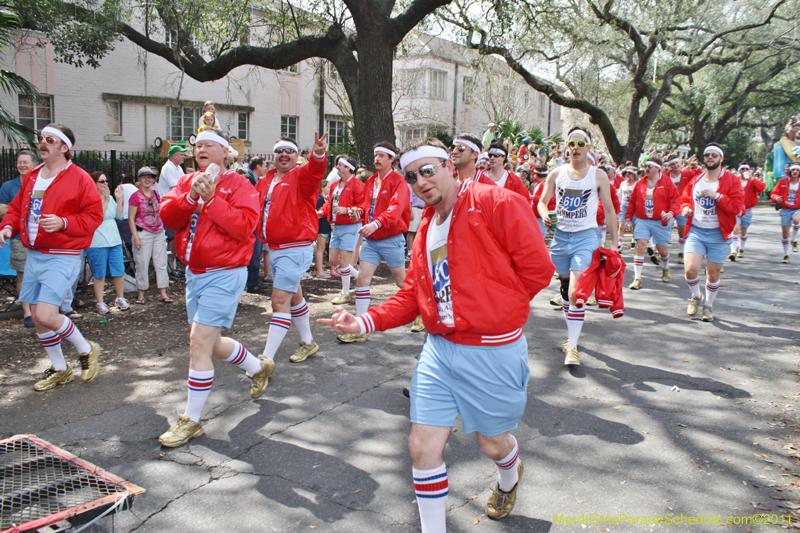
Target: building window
x=113, y=117
x=467, y=89
x=330, y=71
x=414, y=82
x=337, y=131
x=36, y=114
x=183, y=122
x=289, y=127
x=542, y=105
x=413, y=133
x=437, y=83
x=244, y=125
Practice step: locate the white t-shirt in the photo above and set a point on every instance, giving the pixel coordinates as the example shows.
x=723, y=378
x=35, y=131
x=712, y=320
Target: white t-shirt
x=705, y=209
x=576, y=201
x=792, y=193
x=167, y=180
x=267, y=202
x=375, y=191
x=436, y=245
x=127, y=191
x=625, y=192
x=502, y=181
x=337, y=192
x=648, y=202
x=35, y=211
x=675, y=180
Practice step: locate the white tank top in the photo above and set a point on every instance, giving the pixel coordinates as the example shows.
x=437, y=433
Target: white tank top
x=576, y=201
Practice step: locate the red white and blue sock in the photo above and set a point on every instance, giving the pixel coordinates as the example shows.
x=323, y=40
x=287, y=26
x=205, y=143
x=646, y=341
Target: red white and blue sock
x=694, y=286
x=507, y=475
x=574, y=325
x=665, y=262
x=638, y=262
x=795, y=229
x=199, y=385
x=51, y=342
x=743, y=242
x=242, y=357
x=734, y=244
x=785, y=243
x=681, y=244
x=711, y=292
x=565, y=308
x=302, y=322
x=431, y=489
x=346, y=280
x=70, y=332
x=278, y=327
x=362, y=300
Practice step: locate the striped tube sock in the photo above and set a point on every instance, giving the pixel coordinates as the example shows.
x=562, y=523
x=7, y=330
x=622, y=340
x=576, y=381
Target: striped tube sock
x=565, y=308
x=199, y=385
x=574, y=325
x=51, y=342
x=278, y=327
x=300, y=319
x=785, y=243
x=795, y=229
x=681, y=245
x=638, y=262
x=242, y=357
x=346, y=280
x=711, y=292
x=743, y=242
x=734, y=244
x=70, y=332
x=431, y=489
x=694, y=286
x=362, y=300
x=507, y=475
x=665, y=262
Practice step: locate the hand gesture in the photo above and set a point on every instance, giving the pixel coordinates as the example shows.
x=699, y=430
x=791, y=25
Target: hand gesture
x=341, y=321
x=320, y=146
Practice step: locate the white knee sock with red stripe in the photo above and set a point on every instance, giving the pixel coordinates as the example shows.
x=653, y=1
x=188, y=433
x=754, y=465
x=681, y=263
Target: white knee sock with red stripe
x=346, y=280
x=785, y=243
x=681, y=244
x=711, y=292
x=199, y=385
x=362, y=300
x=507, y=475
x=694, y=286
x=743, y=242
x=795, y=229
x=665, y=262
x=70, y=332
x=574, y=325
x=278, y=327
x=51, y=342
x=301, y=321
x=734, y=244
x=638, y=262
x=241, y=357
x=431, y=489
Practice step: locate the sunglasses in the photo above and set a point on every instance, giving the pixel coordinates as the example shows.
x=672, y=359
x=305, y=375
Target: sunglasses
x=426, y=171
x=459, y=147
x=496, y=155
x=280, y=151
x=48, y=139
x=102, y=181
x=578, y=144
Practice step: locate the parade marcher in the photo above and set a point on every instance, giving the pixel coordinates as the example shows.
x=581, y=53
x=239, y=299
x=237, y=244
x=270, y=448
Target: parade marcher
x=483, y=162
x=680, y=177
x=341, y=209
x=578, y=189
x=213, y=213
x=464, y=155
x=56, y=213
x=288, y=225
x=149, y=236
x=752, y=187
x=651, y=208
x=602, y=228
x=498, y=175
x=26, y=160
x=786, y=196
x=624, y=191
x=477, y=264
x=710, y=202
x=540, y=172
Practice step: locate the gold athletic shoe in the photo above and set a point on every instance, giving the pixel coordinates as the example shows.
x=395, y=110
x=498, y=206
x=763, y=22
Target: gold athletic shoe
x=740, y=253
x=592, y=300
x=418, y=325
x=89, y=362
x=636, y=285
x=182, y=432
x=342, y=299
x=260, y=380
x=353, y=337
x=556, y=300
x=565, y=344
x=694, y=303
x=501, y=503
x=708, y=314
x=786, y=259
x=665, y=275
x=572, y=357
x=680, y=259
x=795, y=248
x=304, y=352
x=53, y=378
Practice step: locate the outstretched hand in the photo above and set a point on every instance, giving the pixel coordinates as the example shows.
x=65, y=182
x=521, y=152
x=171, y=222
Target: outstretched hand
x=320, y=146
x=341, y=321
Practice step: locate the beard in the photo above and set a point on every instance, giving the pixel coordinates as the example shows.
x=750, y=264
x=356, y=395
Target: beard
x=713, y=166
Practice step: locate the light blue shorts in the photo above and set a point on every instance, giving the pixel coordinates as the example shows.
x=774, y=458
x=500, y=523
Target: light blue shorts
x=646, y=228
x=289, y=265
x=213, y=297
x=572, y=250
x=486, y=385
x=344, y=237
x=106, y=260
x=681, y=220
x=745, y=220
x=786, y=216
x=48, y=277
x=709, y=243
x=622, y=210
x=391, y=249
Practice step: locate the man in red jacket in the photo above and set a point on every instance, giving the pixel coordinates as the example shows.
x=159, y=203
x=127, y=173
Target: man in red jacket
x=710, y=202
x=464, y=155
x=680, y=177
x=386, y=212
x=498, y=175
x=213, y=217
x=752, y=187
x=786, y=195
x=288, y=225
x=478, y=261
x=55, y=213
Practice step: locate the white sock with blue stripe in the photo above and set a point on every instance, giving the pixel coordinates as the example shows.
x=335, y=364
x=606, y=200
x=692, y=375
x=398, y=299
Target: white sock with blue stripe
x=242, y=357
x=638, y=263
x=278, y=327
x=362, y=300
x=51, y=342
x=301, y=321
x=507, y=475
x=431, y=489
x=575, y=318
x=199, y=385
x=70, y=332
x=711, y=292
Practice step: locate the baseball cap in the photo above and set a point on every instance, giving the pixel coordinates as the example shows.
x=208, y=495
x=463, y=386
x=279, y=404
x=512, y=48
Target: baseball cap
x=177, y=148
x=146, y=171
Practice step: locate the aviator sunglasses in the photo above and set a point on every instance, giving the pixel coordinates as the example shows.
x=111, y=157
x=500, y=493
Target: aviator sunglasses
x=48, y=139
x=579, y=144
x=284, y=151
x=459, y=147
x=426, y=171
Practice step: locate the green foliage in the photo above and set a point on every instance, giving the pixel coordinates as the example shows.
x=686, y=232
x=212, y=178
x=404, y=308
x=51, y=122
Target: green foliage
x=513, y=130
x=445, y=137
x=13, y=84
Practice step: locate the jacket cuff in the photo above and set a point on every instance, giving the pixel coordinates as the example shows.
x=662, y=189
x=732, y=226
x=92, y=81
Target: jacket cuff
x=377, y=224
x=718, y=196
x=66, y=223
x=191, y=200
x=319, y=157
x=365, y=324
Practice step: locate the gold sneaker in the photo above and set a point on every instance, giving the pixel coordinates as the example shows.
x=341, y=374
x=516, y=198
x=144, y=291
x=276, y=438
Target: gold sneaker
x=501, y=503
x=572, y=357
x=680, y=259
x=694, y=303
x=304, y=352
x=708, y=314
x=182, y=432
x=795, y=248
x=665, y=275
x=342, y=299
x=592, y=300
x=418, y=325
x=53, y=378
x=89, y=362
x=636, y=285
x=556, y=300
x=786, y=259
x=564, y=344
x=260, y=381
x=353, y=337
x=740, y=253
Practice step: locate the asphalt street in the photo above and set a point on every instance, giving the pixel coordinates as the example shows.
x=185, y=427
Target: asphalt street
x=667, y=416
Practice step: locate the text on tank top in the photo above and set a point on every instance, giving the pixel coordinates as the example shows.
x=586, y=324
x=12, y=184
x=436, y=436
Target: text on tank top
x=576, y=201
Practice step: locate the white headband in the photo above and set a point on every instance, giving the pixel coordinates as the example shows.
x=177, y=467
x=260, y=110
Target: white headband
x=208, y=135
x=466, y=142
x=421, y=153
x=285, y=144
x=794, y=167
x=744, y=167
x=497, y=151
x=59, y=134
x=631, y=169
x=484, y=156
x=345, y=163
x=714, y=149
x=582, y=134
x=673, y=161
x=653, y=164
x=385, y=151
x=592, y=157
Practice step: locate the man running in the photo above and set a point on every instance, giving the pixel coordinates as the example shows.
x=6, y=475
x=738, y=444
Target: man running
x=752, y=187
x=680, y=177
x=786, y=196
x=477, y=263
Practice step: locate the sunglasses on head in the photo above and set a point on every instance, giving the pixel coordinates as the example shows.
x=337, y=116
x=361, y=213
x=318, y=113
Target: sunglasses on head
x=579, y=144
x=48, y=139
x=279, y=151
x=426, y=171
